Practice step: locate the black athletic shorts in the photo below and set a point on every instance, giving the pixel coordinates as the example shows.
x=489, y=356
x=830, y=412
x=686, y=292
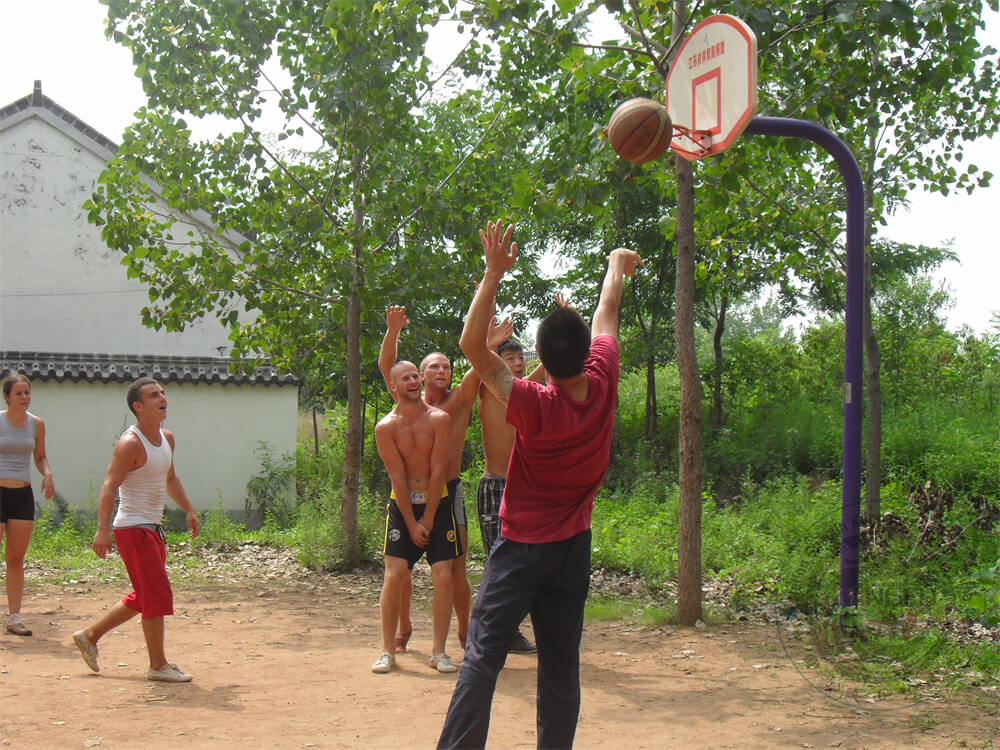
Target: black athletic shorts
x=445, y=543
x=17, y=503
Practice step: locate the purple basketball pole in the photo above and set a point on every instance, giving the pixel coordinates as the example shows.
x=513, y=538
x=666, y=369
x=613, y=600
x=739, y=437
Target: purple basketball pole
x=850, y=519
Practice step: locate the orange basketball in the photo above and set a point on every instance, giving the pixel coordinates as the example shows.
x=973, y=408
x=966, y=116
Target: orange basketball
x=639, y=130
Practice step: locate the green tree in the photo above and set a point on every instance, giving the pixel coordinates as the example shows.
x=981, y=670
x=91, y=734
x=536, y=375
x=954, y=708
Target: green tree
x=327, y=155
x=871, y=70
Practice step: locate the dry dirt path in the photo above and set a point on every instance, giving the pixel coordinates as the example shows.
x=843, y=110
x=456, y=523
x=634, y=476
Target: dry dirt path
x=282, y=661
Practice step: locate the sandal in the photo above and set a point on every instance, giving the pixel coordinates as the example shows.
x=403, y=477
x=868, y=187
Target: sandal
x=401, y=640
x=18, y=628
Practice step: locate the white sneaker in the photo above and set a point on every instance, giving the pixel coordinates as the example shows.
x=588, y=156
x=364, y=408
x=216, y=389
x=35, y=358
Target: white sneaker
x=384, y=663
x=168, y=673
x=88, y=650
x=443, y=663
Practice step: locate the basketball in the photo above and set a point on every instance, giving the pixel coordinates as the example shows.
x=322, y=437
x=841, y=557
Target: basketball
x=639, y=130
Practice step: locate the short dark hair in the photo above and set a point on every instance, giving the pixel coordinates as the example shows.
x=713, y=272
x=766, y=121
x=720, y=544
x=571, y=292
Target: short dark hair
x=510, y=345
x=10, y=380
x=563, y=342
x=133, y=391
x=423, y=362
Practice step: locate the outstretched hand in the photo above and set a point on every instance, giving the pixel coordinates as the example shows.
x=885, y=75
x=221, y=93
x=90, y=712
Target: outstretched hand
x=561, y=299
x=499, y=332
x=395, y=317
x=628, y=258
x=499, y=251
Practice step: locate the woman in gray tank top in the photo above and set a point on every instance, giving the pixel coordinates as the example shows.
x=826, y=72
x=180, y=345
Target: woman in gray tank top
x=22, y=437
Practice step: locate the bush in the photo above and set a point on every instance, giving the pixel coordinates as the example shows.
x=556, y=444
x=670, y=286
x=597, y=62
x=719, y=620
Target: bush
x=316, y=536
x=637, y=533
x=268, y=496
x=65, y=544
x=218, y=529
x=782, y=539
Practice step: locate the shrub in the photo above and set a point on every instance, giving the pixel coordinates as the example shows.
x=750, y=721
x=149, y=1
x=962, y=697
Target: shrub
x=218, y=529
x=316, y=536
x=268, y=497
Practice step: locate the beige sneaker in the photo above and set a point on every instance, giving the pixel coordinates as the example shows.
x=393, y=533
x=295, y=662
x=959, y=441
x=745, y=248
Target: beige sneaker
x=443, y=663
x=168, y=673
x=18, y=628
x=384, y=663
x=88, y=650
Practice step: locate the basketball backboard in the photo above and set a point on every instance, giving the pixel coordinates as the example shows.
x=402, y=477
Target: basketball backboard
x=712, y=86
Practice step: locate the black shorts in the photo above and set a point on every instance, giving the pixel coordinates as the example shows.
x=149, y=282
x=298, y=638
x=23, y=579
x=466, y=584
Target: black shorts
x=17, y=503
x=445, y=543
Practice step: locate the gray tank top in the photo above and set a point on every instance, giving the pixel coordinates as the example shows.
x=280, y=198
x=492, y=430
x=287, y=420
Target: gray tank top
x=17, y=445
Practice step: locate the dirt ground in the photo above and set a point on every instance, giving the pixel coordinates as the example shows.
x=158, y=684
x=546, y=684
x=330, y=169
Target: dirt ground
x=282, y=660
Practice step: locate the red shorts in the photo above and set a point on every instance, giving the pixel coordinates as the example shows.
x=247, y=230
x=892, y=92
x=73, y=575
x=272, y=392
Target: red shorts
x=145, y=558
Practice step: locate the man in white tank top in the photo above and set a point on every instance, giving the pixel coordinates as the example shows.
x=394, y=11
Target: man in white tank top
x=142, y=475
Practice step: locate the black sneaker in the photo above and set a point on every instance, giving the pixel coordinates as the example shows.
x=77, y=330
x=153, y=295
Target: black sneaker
x=521, y=645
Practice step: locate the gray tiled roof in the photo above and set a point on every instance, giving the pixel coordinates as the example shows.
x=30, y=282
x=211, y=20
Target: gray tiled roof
x=124, y=368
x=37, y=99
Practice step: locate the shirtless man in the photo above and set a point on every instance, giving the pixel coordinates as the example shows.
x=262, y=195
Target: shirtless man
x=412, y=441
x=435, y=369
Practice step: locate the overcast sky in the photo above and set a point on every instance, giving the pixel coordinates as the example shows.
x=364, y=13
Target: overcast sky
x=62, y=43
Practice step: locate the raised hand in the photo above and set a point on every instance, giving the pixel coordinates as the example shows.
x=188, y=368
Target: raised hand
x=628, y=259
x=561, y=299
x=499, y=332
x=499, y=251
x=395, y=317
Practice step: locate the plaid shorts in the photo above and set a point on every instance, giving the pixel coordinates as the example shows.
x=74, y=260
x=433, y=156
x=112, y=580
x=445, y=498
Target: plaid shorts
x=488, y=497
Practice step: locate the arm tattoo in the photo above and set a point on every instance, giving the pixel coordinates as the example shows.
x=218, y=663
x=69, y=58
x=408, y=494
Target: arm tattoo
x=503, y=380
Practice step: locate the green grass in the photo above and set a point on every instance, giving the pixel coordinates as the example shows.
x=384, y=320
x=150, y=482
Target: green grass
x=600, y=608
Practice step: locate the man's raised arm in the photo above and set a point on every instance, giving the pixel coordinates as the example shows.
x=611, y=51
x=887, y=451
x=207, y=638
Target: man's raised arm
x=621, y=263
x=395, y=319
x=500, y=254
x=467, y=390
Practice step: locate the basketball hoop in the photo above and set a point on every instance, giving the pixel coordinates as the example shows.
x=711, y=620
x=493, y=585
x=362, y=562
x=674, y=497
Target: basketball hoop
x=711, y=88
x=701, y=140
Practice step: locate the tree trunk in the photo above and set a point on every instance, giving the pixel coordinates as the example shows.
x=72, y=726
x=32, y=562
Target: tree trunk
x=353, y=438
x=315, y=434
x=720, y=328
x=873, y=359
x=873, y=389
x=689, y=438
x=650, y=427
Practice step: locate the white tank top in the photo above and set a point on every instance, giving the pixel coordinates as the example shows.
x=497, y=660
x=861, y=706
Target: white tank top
x=143, y=493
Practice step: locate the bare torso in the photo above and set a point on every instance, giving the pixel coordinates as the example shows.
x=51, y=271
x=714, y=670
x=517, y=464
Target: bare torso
x=413, y=436
x=498, y=436
x=460, y=412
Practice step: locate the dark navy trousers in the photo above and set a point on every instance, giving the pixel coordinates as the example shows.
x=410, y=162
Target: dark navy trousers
x=550, y=581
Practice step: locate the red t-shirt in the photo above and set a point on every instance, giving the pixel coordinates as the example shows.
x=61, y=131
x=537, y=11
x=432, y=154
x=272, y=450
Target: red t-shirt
x=561, y=451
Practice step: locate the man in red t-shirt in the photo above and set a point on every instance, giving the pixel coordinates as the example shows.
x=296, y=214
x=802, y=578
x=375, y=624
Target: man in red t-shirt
x=541, y=563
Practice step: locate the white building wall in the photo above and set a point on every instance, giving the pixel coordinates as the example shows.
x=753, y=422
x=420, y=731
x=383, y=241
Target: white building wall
x=214, y=456
x=61, y=288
